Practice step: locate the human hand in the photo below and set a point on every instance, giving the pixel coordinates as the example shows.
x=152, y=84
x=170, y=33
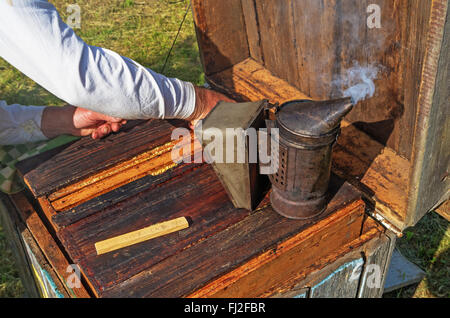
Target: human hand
x=206, y=100
x=78, y=121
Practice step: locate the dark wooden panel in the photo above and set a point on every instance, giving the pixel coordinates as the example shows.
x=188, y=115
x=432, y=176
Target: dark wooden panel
x=312, y=43
x=377, y=170
x=193, y=267
x=431, y=180
x=221, y=33
x=46, y=242
x=278, y=40
x=87, y=156
x=197, y=194
x=378, y=257
x=65, y=218
x=342, y=283
x=253, y=31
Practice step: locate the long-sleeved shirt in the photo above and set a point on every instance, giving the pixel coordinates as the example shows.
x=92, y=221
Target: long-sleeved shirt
x=35, y=40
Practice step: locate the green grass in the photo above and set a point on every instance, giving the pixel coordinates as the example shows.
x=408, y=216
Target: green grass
x=141, y=30
x=428, y=246
x=144, y=30
x=10, y=284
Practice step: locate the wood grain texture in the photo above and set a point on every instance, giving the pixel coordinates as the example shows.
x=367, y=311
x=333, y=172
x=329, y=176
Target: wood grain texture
x=312, y=43
x=250, y=81
x=196, y=194
x=444, y=210
x=221, y=33
x=154, y=162
x=430, y=181
x=113, y=197
x=288, y=259
x=110, y=178
x=377, y=170
x=342, y=283
x=372, y=239
x=211, y=258
x=376, y=255
x=46, y=242
x=253, y=31
x=278, y=40
x=86, y=156
x=49, y=212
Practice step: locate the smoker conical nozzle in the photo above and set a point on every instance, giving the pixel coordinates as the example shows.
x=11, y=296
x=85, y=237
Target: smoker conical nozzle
x=313, y=118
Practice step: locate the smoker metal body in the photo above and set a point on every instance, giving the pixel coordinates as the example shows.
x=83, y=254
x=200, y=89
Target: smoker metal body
x=241, y=179
x=307, y=133
x=302, y=161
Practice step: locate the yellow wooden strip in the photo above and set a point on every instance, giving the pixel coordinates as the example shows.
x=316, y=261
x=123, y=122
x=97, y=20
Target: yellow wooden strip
x=141, y=235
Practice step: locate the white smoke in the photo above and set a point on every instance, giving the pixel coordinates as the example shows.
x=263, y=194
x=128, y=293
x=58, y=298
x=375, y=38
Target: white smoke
x=358, y=82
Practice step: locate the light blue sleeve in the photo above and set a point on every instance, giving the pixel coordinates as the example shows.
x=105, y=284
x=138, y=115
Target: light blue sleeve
x=20, y=124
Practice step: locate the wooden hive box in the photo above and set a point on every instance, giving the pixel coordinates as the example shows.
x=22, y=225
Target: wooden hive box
x=390, y=166
x=396, y=145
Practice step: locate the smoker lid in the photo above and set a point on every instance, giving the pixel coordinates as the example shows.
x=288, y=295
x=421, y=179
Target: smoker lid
x=313, y=118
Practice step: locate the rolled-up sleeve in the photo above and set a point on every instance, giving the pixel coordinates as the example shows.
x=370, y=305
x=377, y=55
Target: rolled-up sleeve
x=20, y=124
x=35, y=40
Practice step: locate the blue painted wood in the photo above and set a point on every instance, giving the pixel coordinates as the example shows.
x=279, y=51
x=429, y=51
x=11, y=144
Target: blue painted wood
x=342, y=283
x=43, y=279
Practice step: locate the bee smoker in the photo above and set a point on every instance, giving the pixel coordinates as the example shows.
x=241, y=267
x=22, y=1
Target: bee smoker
x=307, y=133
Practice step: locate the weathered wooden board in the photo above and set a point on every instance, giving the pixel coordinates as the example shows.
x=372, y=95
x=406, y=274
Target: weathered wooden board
x=250, y=81
x=192, y=191
x=68, y=217
x=221, y=31
x=46, y=279
x=377, y=170
x=358, y=271
x=289, y=259
x=375, y=269
x=253, y=32
x=196, y=194
x=402, y=273
x=86, y=156
x=444, y=210
x=342, y=283
x=311, y=44
x=212, y=257
x=382, y=174
x=430, y=180
x=46, y=242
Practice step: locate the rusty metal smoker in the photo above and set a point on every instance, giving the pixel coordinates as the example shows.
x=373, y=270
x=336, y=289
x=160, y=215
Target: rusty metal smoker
x=307, y=133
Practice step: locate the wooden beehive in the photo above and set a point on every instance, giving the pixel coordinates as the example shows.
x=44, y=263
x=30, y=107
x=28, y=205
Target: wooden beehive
x=396, y=145
x=389, y=165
